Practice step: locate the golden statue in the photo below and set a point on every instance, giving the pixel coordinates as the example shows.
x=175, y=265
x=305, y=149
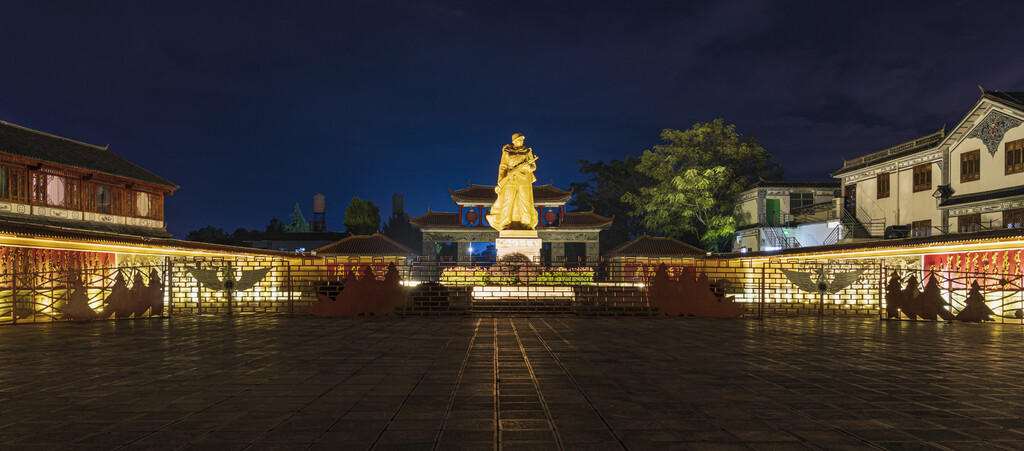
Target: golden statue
x=514, y=208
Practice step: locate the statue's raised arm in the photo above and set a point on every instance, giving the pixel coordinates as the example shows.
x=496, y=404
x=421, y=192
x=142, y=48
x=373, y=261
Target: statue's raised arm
x=514, y=209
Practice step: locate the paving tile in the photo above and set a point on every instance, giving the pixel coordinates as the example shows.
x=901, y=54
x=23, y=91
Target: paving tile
x=273, y=382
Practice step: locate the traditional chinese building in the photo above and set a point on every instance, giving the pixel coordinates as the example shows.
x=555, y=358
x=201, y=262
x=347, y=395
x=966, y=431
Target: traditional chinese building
x=556, y=227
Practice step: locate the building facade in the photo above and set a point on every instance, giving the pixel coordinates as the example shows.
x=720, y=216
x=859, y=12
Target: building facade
x=776, y=215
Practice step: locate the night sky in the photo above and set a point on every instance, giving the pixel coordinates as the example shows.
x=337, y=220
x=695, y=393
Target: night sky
x=254, y=107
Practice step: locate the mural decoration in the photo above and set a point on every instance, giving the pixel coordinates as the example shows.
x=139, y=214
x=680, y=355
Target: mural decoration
x=363, y=296
x=210, y=279
x=39, y=285
x=689, y=295
x=914, y=303
x=992, y=128
x=932, y=304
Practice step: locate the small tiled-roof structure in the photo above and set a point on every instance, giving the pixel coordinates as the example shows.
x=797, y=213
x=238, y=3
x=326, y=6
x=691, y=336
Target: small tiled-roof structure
x=375, y=245
x=587, y=219
x=1002, y=193
x=28, y=143
x=651, y=246
x=437, y=219
x=486, y=195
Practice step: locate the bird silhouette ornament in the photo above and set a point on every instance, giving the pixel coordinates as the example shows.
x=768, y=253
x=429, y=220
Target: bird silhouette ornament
x=817, y=282
x=209, y=279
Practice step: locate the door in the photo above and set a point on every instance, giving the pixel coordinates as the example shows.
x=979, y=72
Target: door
x=850, y=200
x=773, y=211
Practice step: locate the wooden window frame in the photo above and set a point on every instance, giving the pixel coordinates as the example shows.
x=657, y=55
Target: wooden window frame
x=1013, y=219
x=922, y=177
x=1014, y=151
x=970, y=166
x=882, y=185
x=17, y=185
x=968, y=223
x=921, y=228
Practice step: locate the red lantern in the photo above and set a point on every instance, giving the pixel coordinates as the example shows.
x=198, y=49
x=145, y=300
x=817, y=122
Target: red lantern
x=550, y=217
x=471, y=216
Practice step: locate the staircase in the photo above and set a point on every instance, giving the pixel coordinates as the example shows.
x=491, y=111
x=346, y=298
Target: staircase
x=522, y=299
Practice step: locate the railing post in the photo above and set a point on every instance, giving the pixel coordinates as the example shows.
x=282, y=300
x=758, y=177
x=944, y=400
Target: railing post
x=14, y=292
x=291, y=301
x=169, y=271
x=761, y=301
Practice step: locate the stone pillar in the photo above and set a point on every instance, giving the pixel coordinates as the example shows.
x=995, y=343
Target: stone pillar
x=593, y=252
x=463, y=251
x=557, y=251
x=429, y=250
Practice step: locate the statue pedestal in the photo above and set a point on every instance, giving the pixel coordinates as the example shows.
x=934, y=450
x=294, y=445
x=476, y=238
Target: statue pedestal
x=525, y=242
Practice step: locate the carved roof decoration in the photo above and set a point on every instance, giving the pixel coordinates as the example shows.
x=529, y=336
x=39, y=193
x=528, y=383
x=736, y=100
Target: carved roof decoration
x=892, y=153
x=991, y=129
x=376, y=244
x=485, y=194
x=651, y=246
x=25, y=142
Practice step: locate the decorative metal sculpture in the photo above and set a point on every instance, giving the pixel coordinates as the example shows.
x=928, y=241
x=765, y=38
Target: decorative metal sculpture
x=209, y=279
x=817, y=282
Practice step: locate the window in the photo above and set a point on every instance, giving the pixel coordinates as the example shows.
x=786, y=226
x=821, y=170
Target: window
x=12, y=184
x=923, y=177
x=1013, y=219
x=921, y=228
x=147, y=205
x=1015, y=156
x=797, y=200
x=970, y=166
x=883, y=185
x=55, y=191
x=101, y=198
x=969, y=223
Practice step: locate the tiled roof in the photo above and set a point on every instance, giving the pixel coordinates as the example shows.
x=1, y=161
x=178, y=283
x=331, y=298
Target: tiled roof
x=1014, y=98
x=486, y=194
x=437, y=219
x=84, y=226
x=25, y=142
x=1003, y=193
x=907, y=148
x=375, y=244
x=584, y=219
x=650, y=246
x=36, y=230
x=796, y=184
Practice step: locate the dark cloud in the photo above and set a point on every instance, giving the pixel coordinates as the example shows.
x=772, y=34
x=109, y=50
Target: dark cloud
x=253, y=108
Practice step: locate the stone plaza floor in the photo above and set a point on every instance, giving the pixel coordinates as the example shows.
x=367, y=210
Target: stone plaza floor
x=259, y=382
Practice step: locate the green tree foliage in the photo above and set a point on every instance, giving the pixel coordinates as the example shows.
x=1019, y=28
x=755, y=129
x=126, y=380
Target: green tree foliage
x=362, y=217
x=275, y=226
x=606, y=184
x=298, y=223
x=214, y=235
x=696, y=177
x=401, y=230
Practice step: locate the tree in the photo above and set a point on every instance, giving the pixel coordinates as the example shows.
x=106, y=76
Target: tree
x=298, y=223
x=401, y=230
x=696, y=177
x=213, y=235
x=274, y=227
x=362, y=217
x=603, y=192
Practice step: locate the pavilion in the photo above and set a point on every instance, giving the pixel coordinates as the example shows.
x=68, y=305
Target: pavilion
x=556, y=227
